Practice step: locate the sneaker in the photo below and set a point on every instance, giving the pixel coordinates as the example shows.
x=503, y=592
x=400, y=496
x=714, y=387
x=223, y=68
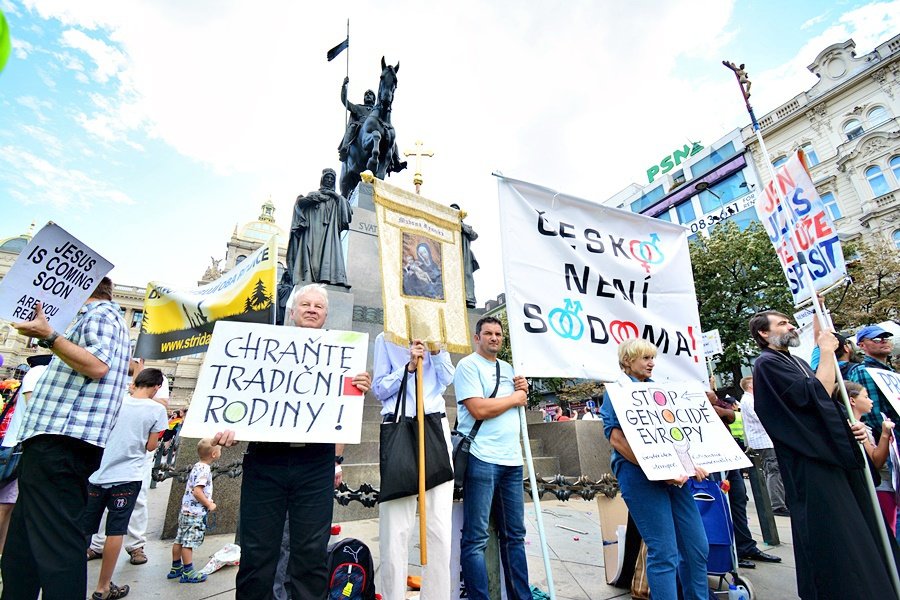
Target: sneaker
x=175, y=572
x=192, y=576
x=137, y=556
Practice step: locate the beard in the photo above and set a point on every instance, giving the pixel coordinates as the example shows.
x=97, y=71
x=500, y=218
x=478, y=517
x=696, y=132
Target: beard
x=791, y=339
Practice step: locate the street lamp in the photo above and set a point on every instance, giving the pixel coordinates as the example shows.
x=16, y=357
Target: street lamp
x=703, y=186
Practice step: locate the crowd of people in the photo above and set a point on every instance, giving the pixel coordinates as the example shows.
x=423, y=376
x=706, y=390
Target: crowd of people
x=92, y=417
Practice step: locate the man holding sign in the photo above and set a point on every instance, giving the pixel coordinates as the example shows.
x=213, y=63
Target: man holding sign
x=296, y=480
x=835, y=529
x=876, y=344
x=66, y=426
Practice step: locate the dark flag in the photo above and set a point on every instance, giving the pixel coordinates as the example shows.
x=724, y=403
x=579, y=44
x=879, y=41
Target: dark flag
x=333, y=53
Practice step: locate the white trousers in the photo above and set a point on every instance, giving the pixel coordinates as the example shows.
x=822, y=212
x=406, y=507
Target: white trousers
x=137, y=526
x=396, y=519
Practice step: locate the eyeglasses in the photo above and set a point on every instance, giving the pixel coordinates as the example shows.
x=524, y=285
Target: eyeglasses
x=881, y=338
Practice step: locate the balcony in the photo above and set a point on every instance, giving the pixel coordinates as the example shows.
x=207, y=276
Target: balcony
x=880, y=206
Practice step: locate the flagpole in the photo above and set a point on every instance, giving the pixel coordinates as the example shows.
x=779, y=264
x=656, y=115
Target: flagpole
x=420, y=417
x=536, y=501
x=741, y=75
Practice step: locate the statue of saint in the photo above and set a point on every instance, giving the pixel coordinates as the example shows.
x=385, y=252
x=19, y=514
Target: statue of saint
x=314, y=253
x=470, y=264
x=358, y=114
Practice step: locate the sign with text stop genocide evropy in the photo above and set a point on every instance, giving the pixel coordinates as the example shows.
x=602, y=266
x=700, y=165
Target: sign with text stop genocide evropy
x=270, y=383
x=671, y=428
x=56, y=269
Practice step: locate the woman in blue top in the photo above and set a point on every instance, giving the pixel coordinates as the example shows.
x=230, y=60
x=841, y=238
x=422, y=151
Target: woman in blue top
x=664, y=511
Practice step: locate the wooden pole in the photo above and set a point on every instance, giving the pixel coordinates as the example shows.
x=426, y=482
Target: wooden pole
x=420, y=417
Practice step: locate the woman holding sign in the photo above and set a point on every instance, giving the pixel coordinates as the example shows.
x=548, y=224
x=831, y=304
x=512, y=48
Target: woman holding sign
x=664, y=511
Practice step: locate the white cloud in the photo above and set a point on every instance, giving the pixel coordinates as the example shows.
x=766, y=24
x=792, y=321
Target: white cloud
x=38, y=180
x=37, y=105
x=815, y=20
x=108, y=60
x=21, y=48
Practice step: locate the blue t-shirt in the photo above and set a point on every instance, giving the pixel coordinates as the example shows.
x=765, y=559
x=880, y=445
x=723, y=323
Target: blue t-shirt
x=610, y=422
x=497, y=441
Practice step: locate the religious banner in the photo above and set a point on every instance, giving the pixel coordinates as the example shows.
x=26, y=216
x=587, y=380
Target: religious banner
x=423, y=281
x=177, y=322
x=269, y=383
x=582, y=278
x=56, y=269
x=802, y=231
x=672, y=428
x=889, y=384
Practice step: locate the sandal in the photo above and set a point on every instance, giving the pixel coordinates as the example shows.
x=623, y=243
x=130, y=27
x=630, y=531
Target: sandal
x=115, y=592
x=137, y=556
x=93, y=554
x=192, y=576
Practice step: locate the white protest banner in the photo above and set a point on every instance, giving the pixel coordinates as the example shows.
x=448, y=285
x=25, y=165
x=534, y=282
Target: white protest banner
x=279, y=384
x=581, y=278
x=889, y=384
x=671, y=428
x=712, y=343
x=803, y=227
x=56, y=269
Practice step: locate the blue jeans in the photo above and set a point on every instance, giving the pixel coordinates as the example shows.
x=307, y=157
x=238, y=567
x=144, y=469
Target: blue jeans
x=494, y=489
x=670, y=524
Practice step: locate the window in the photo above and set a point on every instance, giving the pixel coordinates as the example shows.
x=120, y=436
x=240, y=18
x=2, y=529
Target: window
x=877, y=181
x=876, y=116
x=685, y=212
x=831, y=205
x=677, y=178
x=853, y=129
x=240, y=259
x=665, y=216
x=779, y=161
x=722, y=192
x=745, y=217
x=648, y=199
x=715, y=157
x=895, y=167
x=136, y=317
x=812, y=159
x=896, y=238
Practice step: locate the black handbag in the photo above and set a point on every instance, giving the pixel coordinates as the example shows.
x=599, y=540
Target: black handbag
x=399, y=452
x=462, y=443
x=9, y=456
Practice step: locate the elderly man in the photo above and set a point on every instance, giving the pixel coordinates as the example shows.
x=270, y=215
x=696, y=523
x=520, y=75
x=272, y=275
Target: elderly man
x=835, y=529
x=289, y=480
x=65, y=428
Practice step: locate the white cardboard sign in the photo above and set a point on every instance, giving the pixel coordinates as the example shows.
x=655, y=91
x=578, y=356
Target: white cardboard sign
x=55, y=269
x=671, y=428
x=889, y=384
x=280, y=384
x=712, y=343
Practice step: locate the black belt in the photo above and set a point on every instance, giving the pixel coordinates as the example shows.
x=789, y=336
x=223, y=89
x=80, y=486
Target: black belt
x=389, y=418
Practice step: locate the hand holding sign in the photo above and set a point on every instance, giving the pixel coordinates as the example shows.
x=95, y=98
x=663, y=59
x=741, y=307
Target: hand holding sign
x=38, y=327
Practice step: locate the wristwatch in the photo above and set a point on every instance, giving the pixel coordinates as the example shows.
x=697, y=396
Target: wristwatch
x=338, y=459
x=48, y=341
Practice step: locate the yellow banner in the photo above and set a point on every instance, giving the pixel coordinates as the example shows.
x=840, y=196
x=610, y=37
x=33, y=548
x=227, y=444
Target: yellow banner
x=180, y=322
x=423, y=281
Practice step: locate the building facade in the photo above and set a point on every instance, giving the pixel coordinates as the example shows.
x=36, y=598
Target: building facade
x=848, y=125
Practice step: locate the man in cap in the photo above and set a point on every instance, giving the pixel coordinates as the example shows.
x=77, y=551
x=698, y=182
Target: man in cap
x=876, y=344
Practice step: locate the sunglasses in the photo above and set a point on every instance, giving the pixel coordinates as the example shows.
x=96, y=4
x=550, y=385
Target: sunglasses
x=881, y=338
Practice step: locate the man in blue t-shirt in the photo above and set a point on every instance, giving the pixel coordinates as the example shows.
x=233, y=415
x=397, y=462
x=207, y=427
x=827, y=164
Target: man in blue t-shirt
x=488, y=395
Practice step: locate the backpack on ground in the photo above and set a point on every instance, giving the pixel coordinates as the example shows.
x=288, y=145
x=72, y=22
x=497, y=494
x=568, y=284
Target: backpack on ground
x=351, y=571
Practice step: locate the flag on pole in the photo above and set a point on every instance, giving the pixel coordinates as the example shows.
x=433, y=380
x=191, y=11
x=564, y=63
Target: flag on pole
x=423, y=282
x=334, y=52
x=180, y=322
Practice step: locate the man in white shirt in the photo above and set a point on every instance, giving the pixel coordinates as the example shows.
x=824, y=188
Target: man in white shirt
x=396, y=517
x=758, y=440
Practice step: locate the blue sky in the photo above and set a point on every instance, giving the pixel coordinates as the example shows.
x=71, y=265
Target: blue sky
x=150, y=128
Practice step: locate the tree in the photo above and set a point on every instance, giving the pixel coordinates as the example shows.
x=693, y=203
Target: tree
x=874, y=294
x=736, y=274
x=260, y=297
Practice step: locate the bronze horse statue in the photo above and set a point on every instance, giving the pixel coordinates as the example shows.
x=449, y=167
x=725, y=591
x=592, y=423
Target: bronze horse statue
x=375, y=148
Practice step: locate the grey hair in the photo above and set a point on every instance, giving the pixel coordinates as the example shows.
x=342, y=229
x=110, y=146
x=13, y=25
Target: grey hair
x=311, y=287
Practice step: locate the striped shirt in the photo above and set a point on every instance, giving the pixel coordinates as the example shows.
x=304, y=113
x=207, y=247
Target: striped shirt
x=65, y=402
x=755, y=435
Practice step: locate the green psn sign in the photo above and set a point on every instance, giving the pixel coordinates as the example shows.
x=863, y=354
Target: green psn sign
x=673, y=160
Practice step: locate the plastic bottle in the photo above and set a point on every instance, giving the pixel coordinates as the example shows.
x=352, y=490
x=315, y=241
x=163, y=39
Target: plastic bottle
x=737, y=592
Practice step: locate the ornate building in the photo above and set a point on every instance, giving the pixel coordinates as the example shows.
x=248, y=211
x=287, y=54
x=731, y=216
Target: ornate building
x=848, y=124
x=182, y=371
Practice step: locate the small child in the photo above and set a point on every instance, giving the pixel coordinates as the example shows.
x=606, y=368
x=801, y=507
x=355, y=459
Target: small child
x=195, y=504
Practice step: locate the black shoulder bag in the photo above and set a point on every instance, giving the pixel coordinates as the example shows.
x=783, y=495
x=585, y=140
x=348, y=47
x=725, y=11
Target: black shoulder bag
x=399, y=452
x=462, y=443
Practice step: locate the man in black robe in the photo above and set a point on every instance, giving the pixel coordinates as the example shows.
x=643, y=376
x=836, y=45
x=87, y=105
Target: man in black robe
x=837, y=543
